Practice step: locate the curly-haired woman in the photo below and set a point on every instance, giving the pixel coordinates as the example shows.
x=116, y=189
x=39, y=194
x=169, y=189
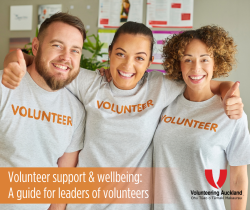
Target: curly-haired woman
x=195, y=140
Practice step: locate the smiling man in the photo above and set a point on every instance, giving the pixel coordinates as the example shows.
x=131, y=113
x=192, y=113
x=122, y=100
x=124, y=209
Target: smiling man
x=42, y=123
x=57, y=53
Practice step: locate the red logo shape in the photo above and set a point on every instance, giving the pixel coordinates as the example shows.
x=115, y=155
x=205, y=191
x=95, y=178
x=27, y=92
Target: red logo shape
x=210, y=179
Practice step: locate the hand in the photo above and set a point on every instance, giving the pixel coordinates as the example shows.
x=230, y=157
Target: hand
x=233, y=105
x=14, y=71
x=107, y=73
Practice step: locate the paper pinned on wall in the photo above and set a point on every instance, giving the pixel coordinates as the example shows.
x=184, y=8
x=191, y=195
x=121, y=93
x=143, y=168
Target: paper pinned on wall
x=21, y=17
x=170, y=13
x=160, y=37
x=46, y=11
x=106, y=37
x=113, y=13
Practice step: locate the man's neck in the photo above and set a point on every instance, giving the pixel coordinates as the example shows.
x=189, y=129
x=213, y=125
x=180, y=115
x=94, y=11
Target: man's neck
x=38, y=79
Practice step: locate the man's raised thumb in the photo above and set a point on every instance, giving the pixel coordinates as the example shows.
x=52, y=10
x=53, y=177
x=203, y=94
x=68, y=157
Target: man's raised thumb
x=20, y=58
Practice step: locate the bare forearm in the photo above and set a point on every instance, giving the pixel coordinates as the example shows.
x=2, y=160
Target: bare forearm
x=221, y=87
x=68, y=159
x=57, y=206
x=12, y=57
x=225, y=86
x=239, y=183
x=239, y=204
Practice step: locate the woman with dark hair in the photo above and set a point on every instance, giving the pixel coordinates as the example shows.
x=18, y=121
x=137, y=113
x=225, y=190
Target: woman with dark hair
x=122, y=115
x=195, y=140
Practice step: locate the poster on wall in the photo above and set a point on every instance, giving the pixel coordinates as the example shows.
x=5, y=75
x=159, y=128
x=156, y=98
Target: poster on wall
x=160, y=37
x=18, y=43
x=21, y=17
x=106, y=36
x=113, y=13
x=170, y=13
x=46, y=11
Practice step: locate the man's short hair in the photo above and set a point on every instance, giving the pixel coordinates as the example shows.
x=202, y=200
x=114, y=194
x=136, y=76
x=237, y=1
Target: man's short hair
x=64, y=18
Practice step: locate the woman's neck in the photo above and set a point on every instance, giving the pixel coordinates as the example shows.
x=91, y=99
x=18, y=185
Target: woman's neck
x=198, y=95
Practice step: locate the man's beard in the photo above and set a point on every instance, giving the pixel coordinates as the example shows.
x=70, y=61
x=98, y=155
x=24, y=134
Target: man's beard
x=51, y=80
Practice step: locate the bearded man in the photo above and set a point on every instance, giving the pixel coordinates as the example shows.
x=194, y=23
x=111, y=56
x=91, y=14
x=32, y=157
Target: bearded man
x=42, y=123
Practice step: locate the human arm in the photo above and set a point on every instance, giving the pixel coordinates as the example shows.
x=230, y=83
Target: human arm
x=57, y=206
x=238, y=182
x=15, y=68
x=13, y=57
x=229, y=92
x=14, y=72
x=70, y=156
x=238, y=157
x=221, y=88
x=67, y=160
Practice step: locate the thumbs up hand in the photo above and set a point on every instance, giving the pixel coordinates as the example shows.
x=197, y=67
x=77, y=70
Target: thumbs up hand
x=13, y=72
x=232, y=103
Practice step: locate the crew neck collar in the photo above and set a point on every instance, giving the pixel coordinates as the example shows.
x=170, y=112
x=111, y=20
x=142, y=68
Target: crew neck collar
x=213, y=100
x=119, y=92
x=36, y=87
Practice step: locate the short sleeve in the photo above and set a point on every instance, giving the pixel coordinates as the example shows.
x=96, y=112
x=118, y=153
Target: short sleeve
x=78, y=136
x=80, y=85
x=238, y=150
x=173, y=89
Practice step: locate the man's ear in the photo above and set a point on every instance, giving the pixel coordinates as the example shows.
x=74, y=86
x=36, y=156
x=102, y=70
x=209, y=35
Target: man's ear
x=35, y=46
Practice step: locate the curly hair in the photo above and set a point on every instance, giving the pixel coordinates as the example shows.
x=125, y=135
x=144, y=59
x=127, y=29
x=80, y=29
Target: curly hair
x=219, y=44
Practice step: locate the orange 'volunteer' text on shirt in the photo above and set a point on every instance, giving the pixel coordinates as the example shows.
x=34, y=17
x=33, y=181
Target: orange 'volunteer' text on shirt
x=42, y=115
x=191, y=123
x=124, y=108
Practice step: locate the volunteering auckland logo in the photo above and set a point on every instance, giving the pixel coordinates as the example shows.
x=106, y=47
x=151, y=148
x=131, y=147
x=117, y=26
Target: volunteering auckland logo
x=216, y=193
x=221, y=180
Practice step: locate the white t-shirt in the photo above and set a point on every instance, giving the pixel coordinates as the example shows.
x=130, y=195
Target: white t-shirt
x=37, y=128
x=193, y=137
x=120, y=124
